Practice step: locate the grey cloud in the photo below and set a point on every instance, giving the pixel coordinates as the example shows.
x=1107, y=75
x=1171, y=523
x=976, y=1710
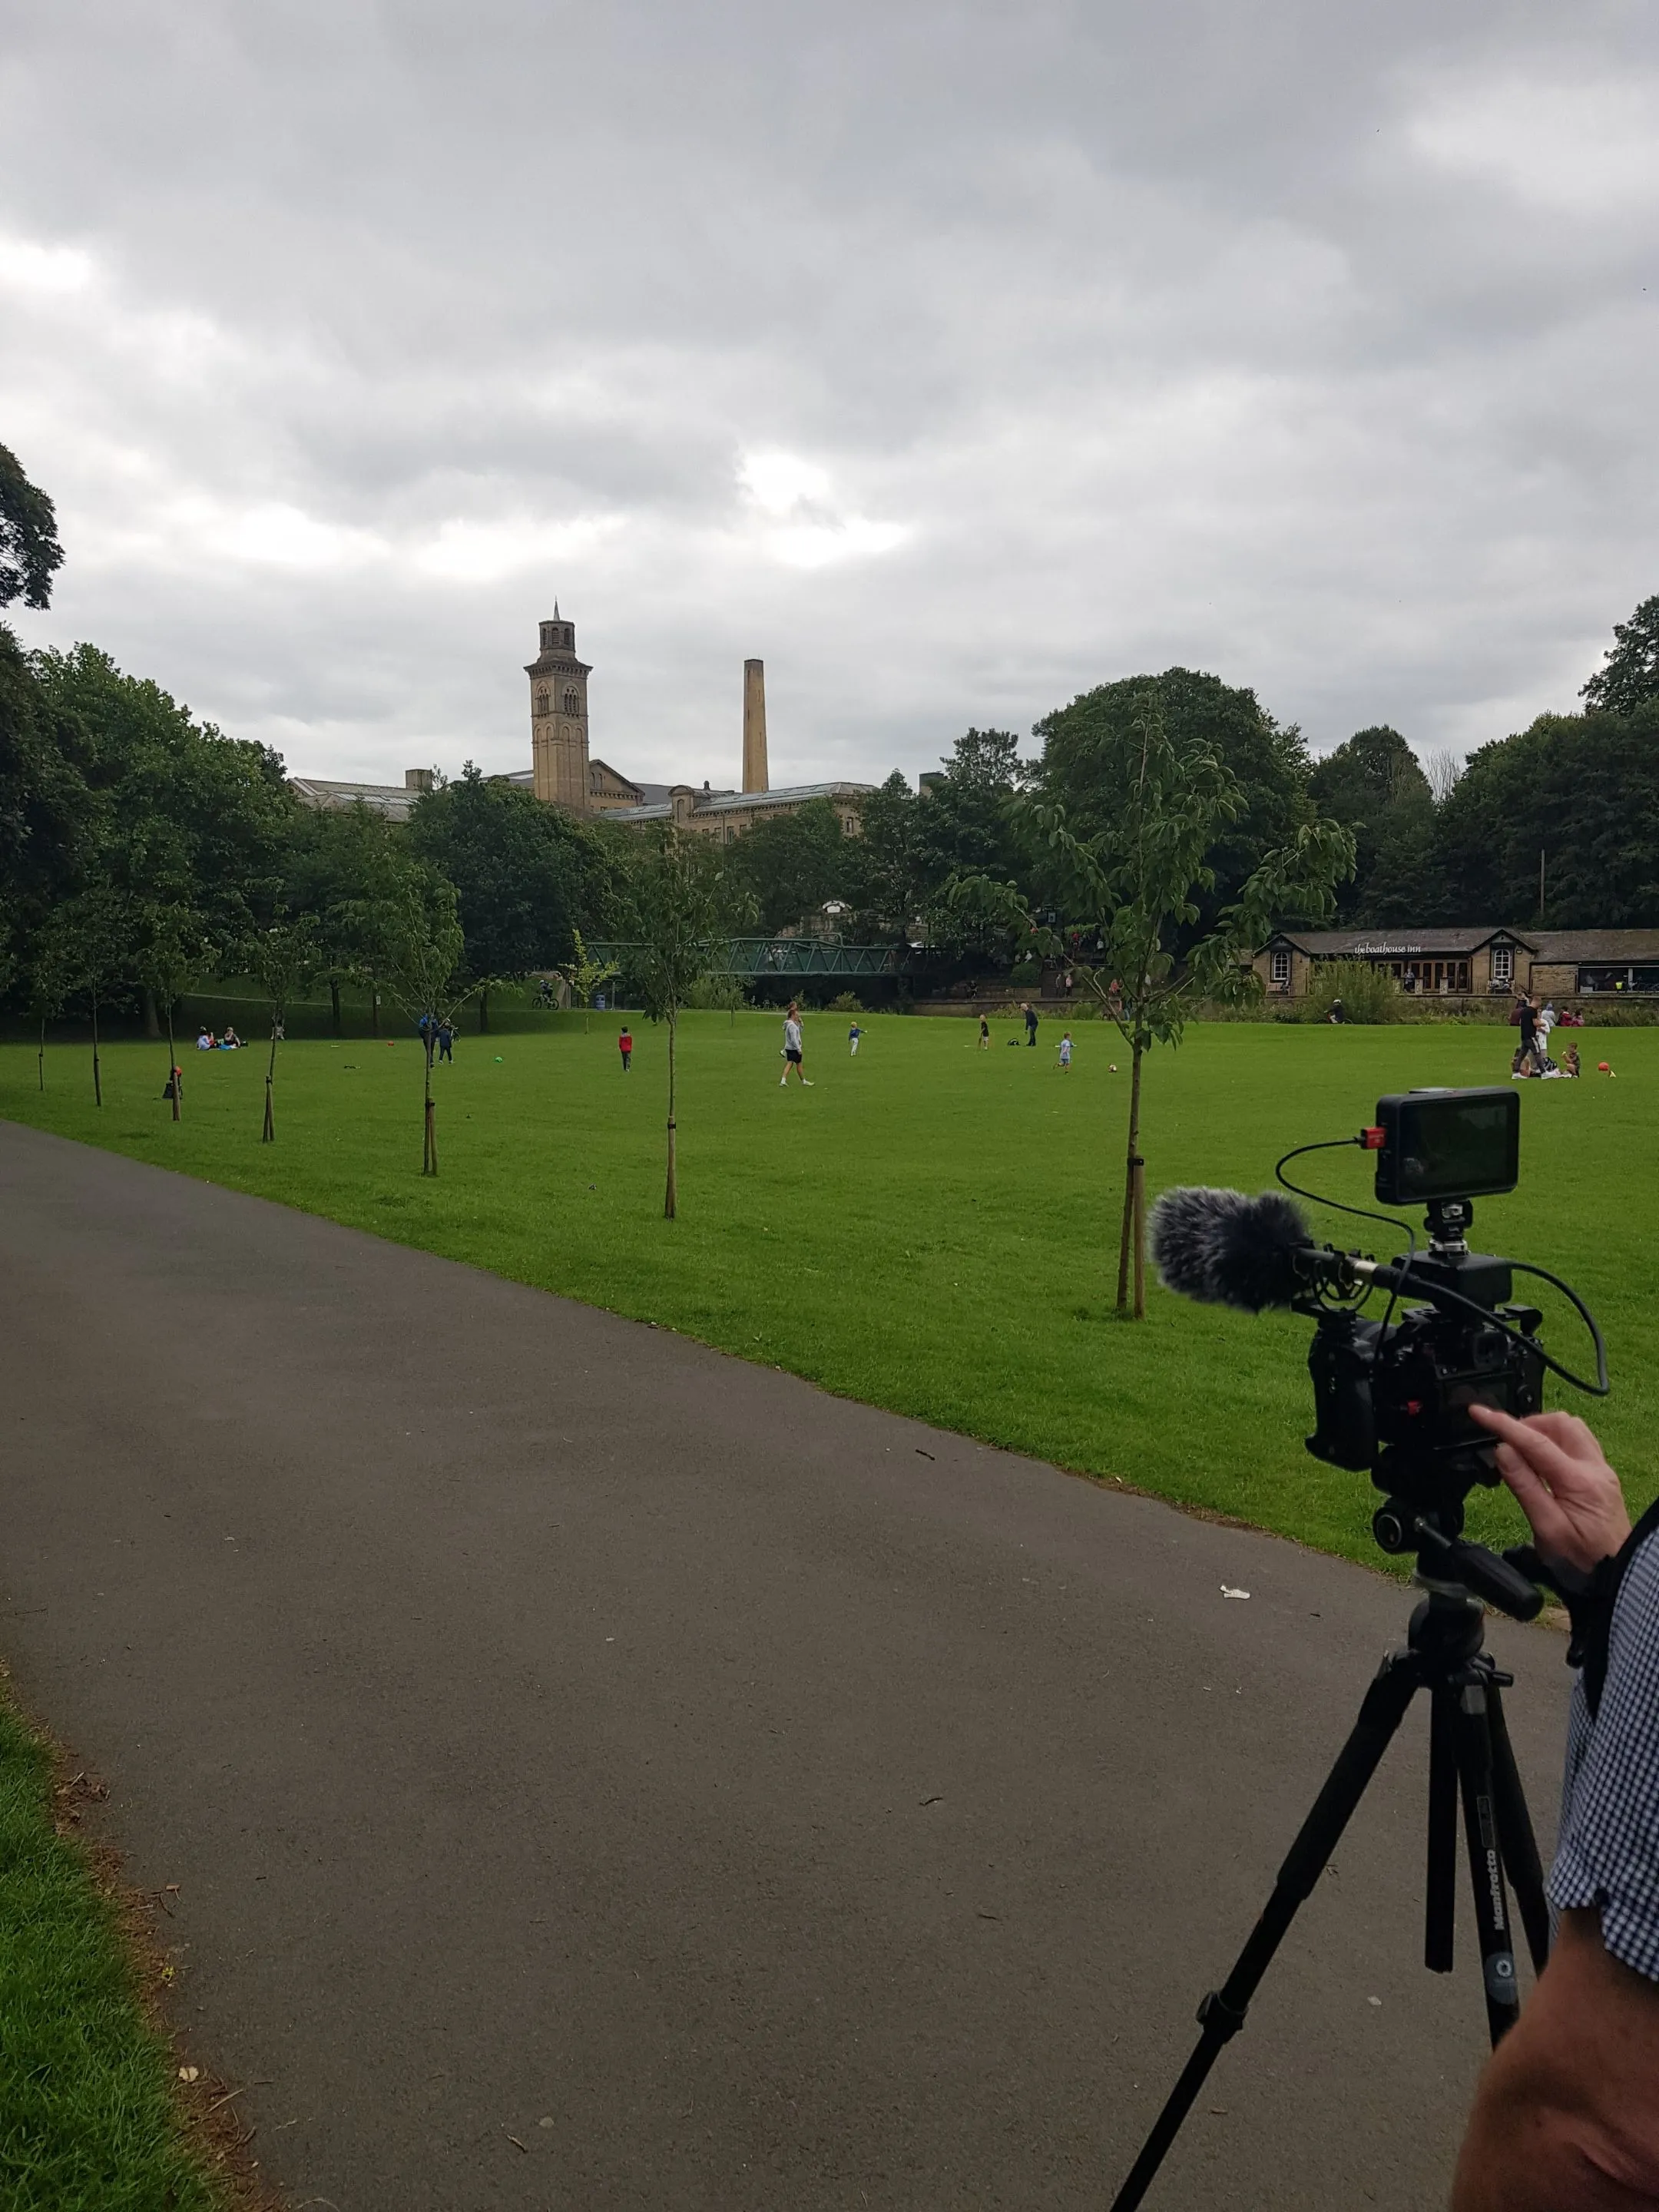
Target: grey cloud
x=1292, y=342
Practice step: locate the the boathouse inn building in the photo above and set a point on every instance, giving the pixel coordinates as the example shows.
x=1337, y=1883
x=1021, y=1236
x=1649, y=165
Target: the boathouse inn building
x=1472, y=963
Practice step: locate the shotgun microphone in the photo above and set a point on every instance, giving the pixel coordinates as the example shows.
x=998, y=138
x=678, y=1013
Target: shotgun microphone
x=1226, y=1249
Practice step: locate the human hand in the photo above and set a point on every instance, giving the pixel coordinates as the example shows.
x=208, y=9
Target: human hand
x=1562, y=1484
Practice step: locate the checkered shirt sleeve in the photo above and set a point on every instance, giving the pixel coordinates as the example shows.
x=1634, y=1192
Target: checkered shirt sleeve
x=1608, y=1854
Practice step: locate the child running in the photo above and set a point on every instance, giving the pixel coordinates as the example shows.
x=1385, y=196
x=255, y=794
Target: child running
x=625, y=1047
x=791, y=1048
x=1066, y=1053
x=852, y=1036
x=984, y=1033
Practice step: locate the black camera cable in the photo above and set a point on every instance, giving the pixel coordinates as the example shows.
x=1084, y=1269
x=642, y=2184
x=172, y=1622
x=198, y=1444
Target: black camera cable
x=1599, y=1389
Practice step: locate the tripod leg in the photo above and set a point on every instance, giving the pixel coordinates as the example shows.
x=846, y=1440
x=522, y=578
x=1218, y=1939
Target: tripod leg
x=1515, y=1838
x=1492, y=1912
x=1222, y=2013
x=1440, y=1892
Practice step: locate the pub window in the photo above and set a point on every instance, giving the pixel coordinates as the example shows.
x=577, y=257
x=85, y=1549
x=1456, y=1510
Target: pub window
x=1503, y=964
x=1281, y=968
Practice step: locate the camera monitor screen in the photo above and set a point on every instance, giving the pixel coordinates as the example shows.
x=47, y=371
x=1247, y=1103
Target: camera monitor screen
x=1448, y=1144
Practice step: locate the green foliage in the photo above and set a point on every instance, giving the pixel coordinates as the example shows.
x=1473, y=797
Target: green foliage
x=845, y=1002
x=678, y=918
x=525, y=874
x=792, y=865
x=1374, y=785
x=679, y=908
x=1630, y=678
x=1369, y=994
x=1130, y=891
x=44, y=805
x=582, y=974
x=178, y=814
x=1581, y=789
x=718, y=994
x=1266, y=767
x=30, y=555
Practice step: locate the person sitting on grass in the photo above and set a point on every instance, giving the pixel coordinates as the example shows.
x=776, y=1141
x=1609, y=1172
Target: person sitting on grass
x=1569, y=1061
x=205, y=1039
x=230, y=1041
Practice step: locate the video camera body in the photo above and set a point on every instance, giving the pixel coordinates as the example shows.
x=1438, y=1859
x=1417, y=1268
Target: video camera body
x=1392, y=1395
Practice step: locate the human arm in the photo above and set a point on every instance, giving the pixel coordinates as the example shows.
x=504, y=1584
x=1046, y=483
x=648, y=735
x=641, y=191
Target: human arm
x=1566, y=2117
x=1562, y=1483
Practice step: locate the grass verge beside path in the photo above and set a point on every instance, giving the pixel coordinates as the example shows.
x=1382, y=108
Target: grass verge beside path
x=930, y=1227
x=89, y=2120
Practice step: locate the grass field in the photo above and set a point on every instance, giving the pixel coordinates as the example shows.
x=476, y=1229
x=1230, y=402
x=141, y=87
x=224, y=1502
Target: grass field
x=931, y=1228
x=87, y=2122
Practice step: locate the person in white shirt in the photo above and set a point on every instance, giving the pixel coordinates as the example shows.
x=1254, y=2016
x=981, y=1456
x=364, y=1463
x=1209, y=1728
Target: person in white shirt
x=792, y=1048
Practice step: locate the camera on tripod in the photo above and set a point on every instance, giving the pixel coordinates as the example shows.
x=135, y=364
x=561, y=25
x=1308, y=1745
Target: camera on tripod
x=1394, y=1395
x=1393, y=1392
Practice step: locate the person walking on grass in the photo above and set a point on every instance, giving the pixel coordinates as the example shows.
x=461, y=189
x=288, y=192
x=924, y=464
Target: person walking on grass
x=791, y=1048
x=1030, y=1014
x=1066, y=1053
x=625, y=1047
x=445, y=1035
x=984, y=1033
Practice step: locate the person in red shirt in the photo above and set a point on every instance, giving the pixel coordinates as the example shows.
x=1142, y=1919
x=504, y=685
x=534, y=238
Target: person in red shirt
x=625, y=1047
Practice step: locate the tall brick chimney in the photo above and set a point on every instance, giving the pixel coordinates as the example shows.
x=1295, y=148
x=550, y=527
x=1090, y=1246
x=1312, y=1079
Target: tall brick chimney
x=754, y=725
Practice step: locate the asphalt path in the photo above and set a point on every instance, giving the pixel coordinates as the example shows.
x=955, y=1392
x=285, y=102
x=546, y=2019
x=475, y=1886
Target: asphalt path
x=559, y=1732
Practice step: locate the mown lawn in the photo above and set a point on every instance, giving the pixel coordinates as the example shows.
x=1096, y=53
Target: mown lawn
x=930, y=1227
x=87, y=2118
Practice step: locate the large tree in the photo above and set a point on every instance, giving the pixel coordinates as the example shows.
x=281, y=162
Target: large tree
x=1630, y=678
x=1084, y=745
x=791, y=865
x=30, y=555
x=187, y=818
x=353, y=872
x=526, y=875
x=48, y=816
x=1577, y=793
x=1374, y=786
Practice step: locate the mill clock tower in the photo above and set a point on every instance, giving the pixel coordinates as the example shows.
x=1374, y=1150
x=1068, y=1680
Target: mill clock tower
x=558, y=717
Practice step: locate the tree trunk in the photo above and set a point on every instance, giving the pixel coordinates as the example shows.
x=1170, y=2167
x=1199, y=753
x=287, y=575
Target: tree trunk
x=373, y=1008
x=175, y=1080
x=672, y=1196
x=42, y=1060
x=429, y=1149
x=1134, y=1204
x=483, y=1012
x=97, y=1076
x=152, y=1026
x=268, y=1135
x=334, y=1007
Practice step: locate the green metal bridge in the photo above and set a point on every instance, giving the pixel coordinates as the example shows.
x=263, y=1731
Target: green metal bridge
x=754, y=958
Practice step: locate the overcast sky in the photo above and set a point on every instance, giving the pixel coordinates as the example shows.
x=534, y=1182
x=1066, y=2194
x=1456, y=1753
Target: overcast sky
x=953, y=358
